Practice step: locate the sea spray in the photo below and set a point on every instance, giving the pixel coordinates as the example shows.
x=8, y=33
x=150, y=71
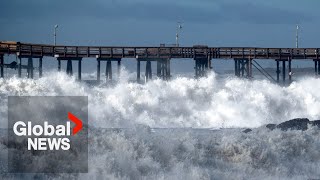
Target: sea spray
x=182, y=102
x=181, y=107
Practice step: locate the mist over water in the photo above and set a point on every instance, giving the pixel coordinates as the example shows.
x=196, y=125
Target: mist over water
x=144, y=152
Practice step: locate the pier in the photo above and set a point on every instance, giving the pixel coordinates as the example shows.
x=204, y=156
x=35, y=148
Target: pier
x=243, y=57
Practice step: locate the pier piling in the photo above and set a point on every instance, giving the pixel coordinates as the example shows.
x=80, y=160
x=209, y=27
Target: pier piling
x=278, y=71
x=243, y=68
x=69, y=67
x=138, y=70
x=40, y=67
x=59, y=65
x=98, y=70
x=1, y=66
x=318, y=67
x=148, y=72
x=79, y=70
x=283, y=71
x=30, y=68
x=19, y=67
x=201, y=67
x=163, y=69
x=119, y=69
x=315, y=67
x=109, y=70
x=290, y=70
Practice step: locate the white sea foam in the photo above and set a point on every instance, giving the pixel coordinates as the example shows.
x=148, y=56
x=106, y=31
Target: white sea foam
x=182, y=102
x=142, y=153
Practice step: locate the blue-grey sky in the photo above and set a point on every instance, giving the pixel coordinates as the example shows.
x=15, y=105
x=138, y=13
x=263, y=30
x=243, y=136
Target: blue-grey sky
x=150, y=22
x=263, y=23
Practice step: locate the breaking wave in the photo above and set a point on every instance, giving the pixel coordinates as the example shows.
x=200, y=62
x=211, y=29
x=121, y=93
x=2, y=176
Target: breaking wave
x=182, y=102
x=179, y=150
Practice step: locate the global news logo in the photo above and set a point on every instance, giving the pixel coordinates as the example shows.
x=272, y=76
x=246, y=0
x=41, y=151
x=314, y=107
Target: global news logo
x=61, y=134
x=48, y=134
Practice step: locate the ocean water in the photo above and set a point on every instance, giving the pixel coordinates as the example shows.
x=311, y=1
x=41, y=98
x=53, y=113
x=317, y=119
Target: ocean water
x=186, y=128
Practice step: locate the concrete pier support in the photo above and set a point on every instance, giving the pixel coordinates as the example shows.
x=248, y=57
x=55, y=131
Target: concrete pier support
x=40, y=67
x=201, y=67
x=98, y=69
x=30, y=68
x=243, y=68
x=236, y=68
x=138, y=70
x=59, y=65
x=20, y=67
x=318, y=67
x=163, y=69
x=290, y=70
x=315, y=67
x=148, y=73
x=284, y=71
x=119, y=69
x=69, y=67
x=109, y=70
x=79, y=70
x=249, y=68
x=1, y=66
x=278, y=71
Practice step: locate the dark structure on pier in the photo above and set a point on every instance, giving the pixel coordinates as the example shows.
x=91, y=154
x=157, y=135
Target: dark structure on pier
x=244, y=58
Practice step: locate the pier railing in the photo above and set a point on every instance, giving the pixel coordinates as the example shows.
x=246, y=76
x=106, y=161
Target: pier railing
x=24, y=49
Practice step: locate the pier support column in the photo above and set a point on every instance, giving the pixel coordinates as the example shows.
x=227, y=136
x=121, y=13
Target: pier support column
x=163, y=69
x=148, y=72
x=40, y=67
x=208, y=65
x=168, y=74
x=109, y=70
x=201, y=67
x=1, y=66
x=159, y=66
x=290, y=70
x=243, y=68
x=236, y=69
x=283, y=71
x=278, y=71
x=138, y=70
x=249, y=68
x=98, y=70
x=79, y=70
x=59, y=65
x=69, y=67
x=19, y=67
x=315, y=67
x=318, y=67
x=239, y=68
x=119, y=69
x=30, y=68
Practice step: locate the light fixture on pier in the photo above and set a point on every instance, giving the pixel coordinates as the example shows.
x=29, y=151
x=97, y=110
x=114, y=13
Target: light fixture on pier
x=55, y=34
x=179, y=27
x=297, y=36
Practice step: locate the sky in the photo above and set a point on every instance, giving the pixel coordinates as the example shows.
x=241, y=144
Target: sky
x=259, y=23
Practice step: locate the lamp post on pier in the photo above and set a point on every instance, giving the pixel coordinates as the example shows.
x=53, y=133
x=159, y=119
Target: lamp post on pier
x=179, y=27
x=55, y=34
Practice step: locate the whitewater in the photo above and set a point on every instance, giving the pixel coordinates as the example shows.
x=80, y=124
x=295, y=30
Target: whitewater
x=185, y=128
